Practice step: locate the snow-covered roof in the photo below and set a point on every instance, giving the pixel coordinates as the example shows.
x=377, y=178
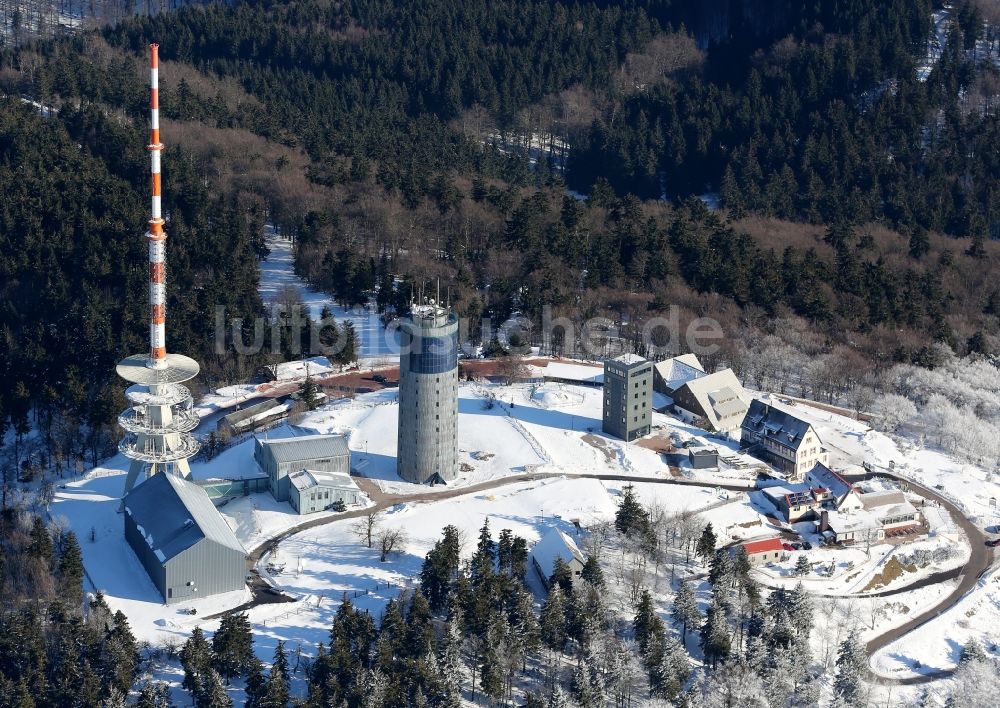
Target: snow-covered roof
x=629, y=359
x=306, y=447
x=775, y=424
x=565, y=371
x=887, y=504
x=856, y=521
x=555, y=544
x=871, y=500
x=314, y=366
x=822, y=476
x=173, y=515
x=678, y=371
x=720, y=395
x=306, y=479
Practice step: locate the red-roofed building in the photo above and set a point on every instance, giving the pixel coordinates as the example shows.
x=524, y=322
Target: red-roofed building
x=765, y=551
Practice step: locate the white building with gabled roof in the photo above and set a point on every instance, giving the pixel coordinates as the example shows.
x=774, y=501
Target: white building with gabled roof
x=671, y=374
x=556, y=544
x=717, y=400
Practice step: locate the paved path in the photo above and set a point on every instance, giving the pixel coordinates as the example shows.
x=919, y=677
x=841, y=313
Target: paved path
x=968, y=575
x=979, y=561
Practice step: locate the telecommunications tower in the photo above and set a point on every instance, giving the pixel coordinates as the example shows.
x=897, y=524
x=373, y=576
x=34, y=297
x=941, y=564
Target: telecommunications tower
x=159, y=422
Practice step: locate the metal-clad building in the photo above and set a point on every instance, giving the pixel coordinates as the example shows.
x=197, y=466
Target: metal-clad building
x=313, y=490
x=428, y=395
x=628, y=397
x=280, y=458
x=182, y=541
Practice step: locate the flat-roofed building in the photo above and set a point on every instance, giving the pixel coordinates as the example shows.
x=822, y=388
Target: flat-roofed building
x=628, y=397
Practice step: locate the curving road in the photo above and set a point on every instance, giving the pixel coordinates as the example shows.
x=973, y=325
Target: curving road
x=979, y=562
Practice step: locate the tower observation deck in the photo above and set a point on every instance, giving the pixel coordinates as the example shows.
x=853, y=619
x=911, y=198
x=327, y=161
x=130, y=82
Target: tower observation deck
x=428, y=395
x=159, y=422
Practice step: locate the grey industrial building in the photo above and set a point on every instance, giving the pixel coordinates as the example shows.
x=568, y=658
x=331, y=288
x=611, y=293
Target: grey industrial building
x=182, y=541
x=628, y=397
x=313, y=490
x=284, y=456
x=428, y=395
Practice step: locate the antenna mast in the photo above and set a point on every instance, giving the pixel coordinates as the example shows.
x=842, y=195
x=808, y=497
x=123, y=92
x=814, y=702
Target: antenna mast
x=156, y=236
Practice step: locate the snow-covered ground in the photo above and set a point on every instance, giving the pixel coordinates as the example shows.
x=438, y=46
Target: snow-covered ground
x=277, y=275
x=852, y=443
x=938, y=644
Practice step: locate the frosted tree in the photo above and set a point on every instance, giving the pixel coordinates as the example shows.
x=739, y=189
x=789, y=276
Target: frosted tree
x=450, y=664
x=891, y=411
x=685, y=610
x=973, y=651
x=586, y=685
x=557, y=698
x=213, y=692
x=975, y=685
x=734, y=684
x=851, y=665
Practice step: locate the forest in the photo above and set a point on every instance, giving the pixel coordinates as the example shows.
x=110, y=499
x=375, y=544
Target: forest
x=528, y=154
x=400, y=144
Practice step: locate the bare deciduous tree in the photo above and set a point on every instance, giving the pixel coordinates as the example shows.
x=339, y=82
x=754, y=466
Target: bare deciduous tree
x=391, y=540
x=367, y=527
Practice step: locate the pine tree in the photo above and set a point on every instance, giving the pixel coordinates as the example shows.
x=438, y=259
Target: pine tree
x=450, y=665
x=685, y=610
x=973, y=651
x=232, y=645
x=672, y=670
x=706, y=543
x=213, y=692
x=852, y=663
x=561, y=576
x=491, y=674
x=41, y=540
x=630, y=518
x=154, y=694
x=552, y=621
x=585, y=686
x=280, y=680
x=802, y=565
x=256, y=684
x=310, y=393
x=800, y=612
x=592, y=572
x=196, y=660
x=71, y=571
x=715, y=639
x=644, y=621
x=120, y=658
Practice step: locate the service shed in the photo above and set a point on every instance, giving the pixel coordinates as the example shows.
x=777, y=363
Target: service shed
x=186, y=547
x=316, y=490
x=703, y=458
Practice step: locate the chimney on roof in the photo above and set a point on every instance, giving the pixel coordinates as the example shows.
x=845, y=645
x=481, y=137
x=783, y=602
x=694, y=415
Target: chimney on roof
x=824, y=521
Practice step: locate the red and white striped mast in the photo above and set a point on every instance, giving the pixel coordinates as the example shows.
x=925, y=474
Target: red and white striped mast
x=159, y=423
x=156, y=236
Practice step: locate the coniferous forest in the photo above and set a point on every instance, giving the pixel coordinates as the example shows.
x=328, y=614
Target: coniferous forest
x=408, y=142
x=528, y=153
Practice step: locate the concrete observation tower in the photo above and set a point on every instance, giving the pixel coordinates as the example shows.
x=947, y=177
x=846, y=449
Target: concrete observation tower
x=428, y=395
x=159, y=422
